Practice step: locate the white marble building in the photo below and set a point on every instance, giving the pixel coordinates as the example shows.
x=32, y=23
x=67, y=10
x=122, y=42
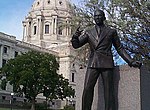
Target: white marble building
x=43, y=31
x=43, y=27
x=10, y=48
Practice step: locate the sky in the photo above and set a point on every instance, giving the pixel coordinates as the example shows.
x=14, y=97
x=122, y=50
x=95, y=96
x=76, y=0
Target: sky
x=12, y=13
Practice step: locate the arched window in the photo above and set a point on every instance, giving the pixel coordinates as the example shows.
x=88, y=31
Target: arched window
x=34, y=30
x=47, y=25
x=60, y=2
x=72, y=78
x=60, y=30
x=47, y=29
x=38, y=3
x=48, y=1
x=5, y=50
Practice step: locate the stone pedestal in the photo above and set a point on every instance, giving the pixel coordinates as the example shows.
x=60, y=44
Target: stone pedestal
x=132, y=90
x=127, y=89
x=145, y=88
x=79, y=87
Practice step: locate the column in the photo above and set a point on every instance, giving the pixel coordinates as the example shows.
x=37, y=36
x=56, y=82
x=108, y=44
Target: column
x=27, y=30
x=54, y=24
x=55, y=30
x=67, y=30
x=39, y=28
x=24, y=32
x=1, y=51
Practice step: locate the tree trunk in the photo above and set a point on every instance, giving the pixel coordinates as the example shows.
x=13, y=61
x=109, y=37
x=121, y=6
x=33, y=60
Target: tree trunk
x=33, y=104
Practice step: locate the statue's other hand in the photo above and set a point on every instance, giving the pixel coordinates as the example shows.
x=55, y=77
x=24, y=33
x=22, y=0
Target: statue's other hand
x=78, y=32
x=136, y=64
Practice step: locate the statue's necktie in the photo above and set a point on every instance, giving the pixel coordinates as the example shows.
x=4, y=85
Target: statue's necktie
x=98, y=31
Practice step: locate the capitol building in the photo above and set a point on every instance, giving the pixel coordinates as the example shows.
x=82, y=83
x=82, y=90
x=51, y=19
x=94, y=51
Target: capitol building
x=46, y=28
x=43, y=31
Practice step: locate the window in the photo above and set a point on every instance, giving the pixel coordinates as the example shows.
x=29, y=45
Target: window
x=35, y=29
x=73, y=64
x=81, y=66
x=5, y=50
x=38, y=3
x=60, y=2
x=25, y=100
x=16, y=53
x=60, y=30
x=3, y=97
x=53, y=103
x=3, y=62
x=14, y=99
x=48, y=1
x=72, y=77
x=3, y=84
x=46, y=29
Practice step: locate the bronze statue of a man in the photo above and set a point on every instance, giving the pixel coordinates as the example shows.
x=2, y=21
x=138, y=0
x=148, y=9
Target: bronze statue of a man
x=100, y=39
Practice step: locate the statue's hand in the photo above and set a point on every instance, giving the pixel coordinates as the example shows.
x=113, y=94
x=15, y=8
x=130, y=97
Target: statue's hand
x=136, y=64
x=78, y=32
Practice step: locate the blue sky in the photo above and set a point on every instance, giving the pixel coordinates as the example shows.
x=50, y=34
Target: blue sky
x=12, y=13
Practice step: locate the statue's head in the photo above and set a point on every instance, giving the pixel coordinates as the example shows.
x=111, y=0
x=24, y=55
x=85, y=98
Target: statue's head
x=99, y=16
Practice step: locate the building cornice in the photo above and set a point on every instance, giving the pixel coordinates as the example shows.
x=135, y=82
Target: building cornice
x=34, y=47
x=8, y=38
x=12, y=39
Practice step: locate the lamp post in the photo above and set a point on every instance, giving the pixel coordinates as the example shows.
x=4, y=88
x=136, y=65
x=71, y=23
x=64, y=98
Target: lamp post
x=11, y=99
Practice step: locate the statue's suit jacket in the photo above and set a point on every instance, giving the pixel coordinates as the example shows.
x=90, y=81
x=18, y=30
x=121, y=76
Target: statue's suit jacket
x=100, y=47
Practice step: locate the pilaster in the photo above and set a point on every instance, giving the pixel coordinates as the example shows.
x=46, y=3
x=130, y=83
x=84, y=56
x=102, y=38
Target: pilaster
x=1, y=55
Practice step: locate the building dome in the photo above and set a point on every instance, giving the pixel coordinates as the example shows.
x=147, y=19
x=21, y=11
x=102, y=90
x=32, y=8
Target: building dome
x=42, y=24
x=50, y=5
